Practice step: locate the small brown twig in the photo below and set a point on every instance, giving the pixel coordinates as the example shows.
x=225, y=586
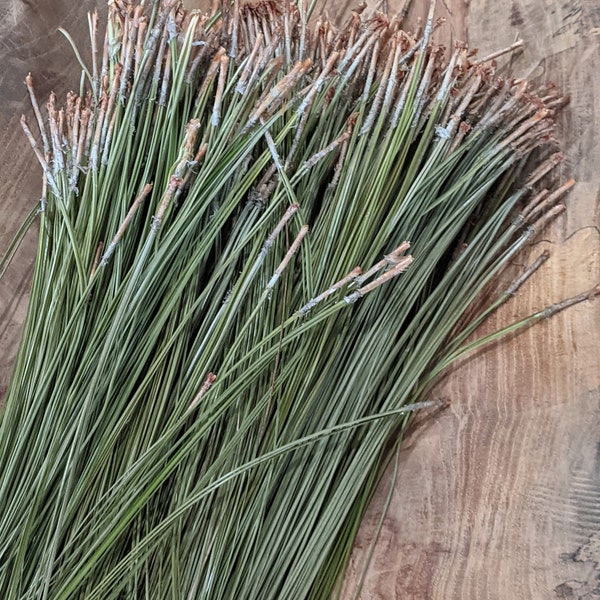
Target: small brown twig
x=512, y=48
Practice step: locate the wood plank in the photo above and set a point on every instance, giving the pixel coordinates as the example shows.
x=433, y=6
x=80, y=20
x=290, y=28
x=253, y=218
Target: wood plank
x=499, y=496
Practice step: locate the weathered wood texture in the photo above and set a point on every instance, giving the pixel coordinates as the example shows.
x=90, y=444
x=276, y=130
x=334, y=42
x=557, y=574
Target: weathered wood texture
x=498, y=497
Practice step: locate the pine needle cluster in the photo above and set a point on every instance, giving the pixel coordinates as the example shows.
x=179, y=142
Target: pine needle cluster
x=262, y=240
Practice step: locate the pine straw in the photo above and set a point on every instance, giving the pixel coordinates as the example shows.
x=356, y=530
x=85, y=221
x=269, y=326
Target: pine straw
x=227, y=333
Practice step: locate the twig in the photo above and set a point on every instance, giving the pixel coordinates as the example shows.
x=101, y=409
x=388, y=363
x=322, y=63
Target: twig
x=288, y=257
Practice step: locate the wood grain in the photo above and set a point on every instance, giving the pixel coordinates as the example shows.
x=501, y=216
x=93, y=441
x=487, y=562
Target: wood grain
x=498, y=497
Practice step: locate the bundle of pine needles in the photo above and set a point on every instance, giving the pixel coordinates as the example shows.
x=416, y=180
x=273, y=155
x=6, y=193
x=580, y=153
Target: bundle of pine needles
x=226, y=334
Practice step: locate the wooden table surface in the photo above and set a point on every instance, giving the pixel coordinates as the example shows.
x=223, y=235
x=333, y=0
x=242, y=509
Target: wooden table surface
x=497, y=497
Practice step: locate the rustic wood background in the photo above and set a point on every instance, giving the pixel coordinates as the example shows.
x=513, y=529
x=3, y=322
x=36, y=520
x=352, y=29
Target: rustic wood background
x=498, y=497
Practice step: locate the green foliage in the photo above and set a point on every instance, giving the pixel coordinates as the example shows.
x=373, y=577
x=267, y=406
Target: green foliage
x=198, y=409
